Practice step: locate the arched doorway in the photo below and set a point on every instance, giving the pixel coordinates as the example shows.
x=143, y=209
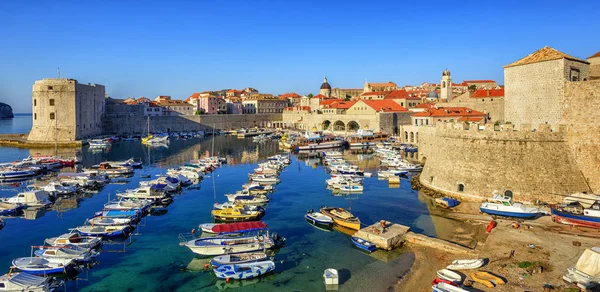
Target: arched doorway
x=326, y=124
x=339, y=126
x=353, y=126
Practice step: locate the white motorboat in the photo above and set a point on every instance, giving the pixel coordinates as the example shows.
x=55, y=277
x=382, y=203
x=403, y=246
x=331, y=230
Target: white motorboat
x=213, y=246
x=39, y=266
x=505, y=207
x=35, y=198
x=232, y=259
x=144, y=193
x=445, y=287
x=57, y=188
x=75, y=239
x=244, y=270
x=98, y=143
x=109, y=221
x=260, y=178
x=233, y=204
x=66, y=252
x=449, y=275
x=351, y=188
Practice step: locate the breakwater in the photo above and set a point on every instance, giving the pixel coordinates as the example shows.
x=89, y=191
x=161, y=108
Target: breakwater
x=128, y=125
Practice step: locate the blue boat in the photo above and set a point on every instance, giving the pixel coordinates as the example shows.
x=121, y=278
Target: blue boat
x=363, y=244
x=317, y=218
x=244, y=271
x=506, y=208
x=39, y=266
x=104, y=231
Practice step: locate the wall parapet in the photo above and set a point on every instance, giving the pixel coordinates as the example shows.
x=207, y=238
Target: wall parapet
x=543, y=133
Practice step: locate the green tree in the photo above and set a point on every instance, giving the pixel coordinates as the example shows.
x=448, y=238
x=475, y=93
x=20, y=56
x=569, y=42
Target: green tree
x=199, y=112
x=347, y=98
x=310, y=95
x=472, y=87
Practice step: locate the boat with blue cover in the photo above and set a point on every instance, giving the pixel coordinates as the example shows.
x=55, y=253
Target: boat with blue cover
x=505, y=207
x=244, y=271
x=104, y=231
x=363, y=244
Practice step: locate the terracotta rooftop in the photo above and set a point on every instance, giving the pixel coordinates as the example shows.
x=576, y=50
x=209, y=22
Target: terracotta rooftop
x=594, y=55
x=320, y=96
x=337, y=103
x=375, y=93
x=449, y=112
x=384, y=105
x=482, y=93
x=544, y=54
x=389, y=83
x=479, y=81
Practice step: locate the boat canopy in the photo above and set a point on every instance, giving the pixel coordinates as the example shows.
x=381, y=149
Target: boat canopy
x=158, y=187
x=244, y=197
x=589, y=262
x=28, y=280
x=239, y=227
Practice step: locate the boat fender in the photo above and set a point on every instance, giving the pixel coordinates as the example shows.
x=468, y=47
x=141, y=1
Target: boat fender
x=227, y=280
x=206, y=266
x=193, y=230
x=491, y=226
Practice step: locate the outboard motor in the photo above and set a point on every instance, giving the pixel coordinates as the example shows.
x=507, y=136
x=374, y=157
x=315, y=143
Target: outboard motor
x=278, y=239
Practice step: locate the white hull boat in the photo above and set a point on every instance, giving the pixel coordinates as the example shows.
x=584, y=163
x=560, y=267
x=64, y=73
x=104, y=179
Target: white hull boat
x=466, y=264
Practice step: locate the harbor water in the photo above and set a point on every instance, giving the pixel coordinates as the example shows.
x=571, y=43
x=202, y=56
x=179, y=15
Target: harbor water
x=153, y=260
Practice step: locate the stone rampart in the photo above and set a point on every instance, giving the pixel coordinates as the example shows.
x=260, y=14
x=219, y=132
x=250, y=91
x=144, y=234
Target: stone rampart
x=139, y=124
x=473, y=163
x=581, y=113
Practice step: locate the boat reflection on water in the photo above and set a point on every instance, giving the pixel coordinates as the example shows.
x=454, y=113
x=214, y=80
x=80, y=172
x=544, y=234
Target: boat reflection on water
x=224, y=285
x=344, y=230
x=326, y=228
x=33, y=214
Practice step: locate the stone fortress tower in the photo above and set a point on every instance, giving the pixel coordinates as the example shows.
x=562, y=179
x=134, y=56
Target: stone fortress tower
x=325, y=88
x=65, y=110
x=446, y=86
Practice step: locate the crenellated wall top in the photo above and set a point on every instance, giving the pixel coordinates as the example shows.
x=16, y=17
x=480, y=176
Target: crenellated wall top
x=503, y=132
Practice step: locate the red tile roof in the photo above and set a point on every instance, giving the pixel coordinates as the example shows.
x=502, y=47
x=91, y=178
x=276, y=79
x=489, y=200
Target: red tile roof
x=403, y=94
x=479, y=81
x=425, y=105
x=594, y=55
x=289, y=95
x=449, y=112
x=377, y=93
x=320, y=96
x=384, y=105
x=337, y=103
x=483, y=93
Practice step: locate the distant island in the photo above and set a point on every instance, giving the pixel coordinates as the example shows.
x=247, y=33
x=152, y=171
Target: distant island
x=5, y=111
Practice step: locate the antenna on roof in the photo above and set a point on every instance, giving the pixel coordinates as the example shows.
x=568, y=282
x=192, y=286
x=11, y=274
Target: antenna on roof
x=58, y=71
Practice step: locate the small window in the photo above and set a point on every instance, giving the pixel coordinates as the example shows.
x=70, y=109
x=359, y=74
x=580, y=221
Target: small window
x=49, y=87
x=52, y=116
x=52, y=101
x=35, y=116
x=34, y=102
x=461, y=188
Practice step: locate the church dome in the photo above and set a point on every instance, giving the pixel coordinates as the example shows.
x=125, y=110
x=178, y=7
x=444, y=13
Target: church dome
x=432, y=95
x=325, y=84
x=446, y=73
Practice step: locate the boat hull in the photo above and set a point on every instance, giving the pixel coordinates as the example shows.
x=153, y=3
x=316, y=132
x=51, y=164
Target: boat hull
x=324, y=145
x=508, y=214
x=572, y=219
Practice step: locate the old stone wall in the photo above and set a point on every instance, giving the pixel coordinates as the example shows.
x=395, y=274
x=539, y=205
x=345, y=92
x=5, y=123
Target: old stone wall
x=473, y=163
x=89, y=104
x=493, y=106
x=532, y=93
x=139, y=124
x=581, y=113
x=386, y=122
x=53, y=110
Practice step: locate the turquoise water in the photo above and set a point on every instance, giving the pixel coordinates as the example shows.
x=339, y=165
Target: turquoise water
x=20, y=124
x=154, y=261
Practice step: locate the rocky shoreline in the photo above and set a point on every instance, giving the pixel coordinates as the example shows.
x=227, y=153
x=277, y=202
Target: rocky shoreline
x=6, y=111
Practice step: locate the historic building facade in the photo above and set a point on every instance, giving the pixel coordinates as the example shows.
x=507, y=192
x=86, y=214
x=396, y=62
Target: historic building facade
x=65, y=110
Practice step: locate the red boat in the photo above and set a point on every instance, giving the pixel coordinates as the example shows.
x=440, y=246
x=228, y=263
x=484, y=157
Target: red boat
x=438, y=280
x=234, y=227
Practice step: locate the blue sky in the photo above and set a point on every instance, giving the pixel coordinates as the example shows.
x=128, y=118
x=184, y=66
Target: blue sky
x=150, y=48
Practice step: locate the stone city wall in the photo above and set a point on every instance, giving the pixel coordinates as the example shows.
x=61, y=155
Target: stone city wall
x=472, y=163
x=139, y=125
x=387, y=122
x=581, y=113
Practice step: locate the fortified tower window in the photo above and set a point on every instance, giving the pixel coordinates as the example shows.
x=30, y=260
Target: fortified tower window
x=574, y=76
x=35, y=116
x=49, y=87
x=52, y=101
x=461, y=188
x=52, y=116
x=34, y=102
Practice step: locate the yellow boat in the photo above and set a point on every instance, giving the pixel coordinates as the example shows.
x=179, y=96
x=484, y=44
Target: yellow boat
x=487, y=279
x=236, y=214
x=145, y=139
x=342, y=217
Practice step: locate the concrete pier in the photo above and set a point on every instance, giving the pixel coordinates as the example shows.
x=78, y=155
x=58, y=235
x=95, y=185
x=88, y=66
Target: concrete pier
x=388, y=237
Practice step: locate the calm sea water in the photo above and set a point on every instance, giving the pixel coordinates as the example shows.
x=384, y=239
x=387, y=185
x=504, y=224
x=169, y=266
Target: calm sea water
x=20, y=124
x=154, y=261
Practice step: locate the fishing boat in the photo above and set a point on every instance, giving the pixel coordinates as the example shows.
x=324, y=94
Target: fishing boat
x=350, y=188
x=236, y=215
x=240, y=258
x=8, y=173
x=331, y=276
x=39, y=266
x=109, y=221
x=316, y=141
x=317, y=218
x=244, y=271
x=466, y=264
x=231, y=205
x=487, y=279
x=505, y=207
x=153, y=193
x=213, y=246
x=445, y=287
x=342, y=217
x=576, y=214
x=264, y=179
x=363, y=244
x=238, y=227
x=21, y=282
x=75, y=239
x=333, y=154
x=449, y=275
x=365, y=139
x=35, y=198
x=104, y=231
x=72, y=252
x=248, y=200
